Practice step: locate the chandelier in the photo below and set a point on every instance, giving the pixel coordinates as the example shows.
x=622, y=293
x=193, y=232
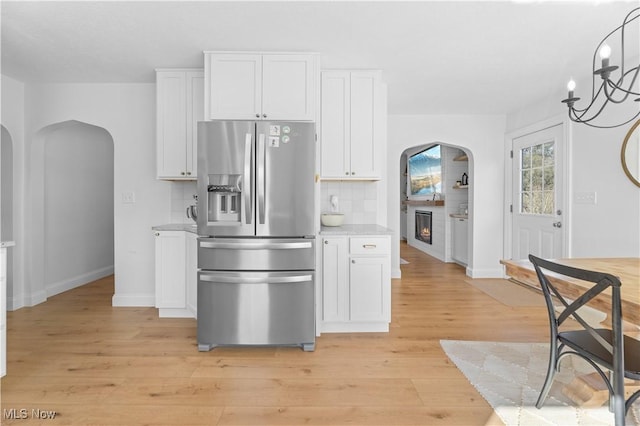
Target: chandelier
x=618, y=83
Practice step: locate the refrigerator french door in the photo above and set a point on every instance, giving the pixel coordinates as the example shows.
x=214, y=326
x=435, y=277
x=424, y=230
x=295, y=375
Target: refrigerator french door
x=256, y=178
x=256, y=251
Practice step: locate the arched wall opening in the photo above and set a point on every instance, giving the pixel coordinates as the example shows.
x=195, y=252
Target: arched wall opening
x=72, y=208
x=449, y=201
x=7, y=201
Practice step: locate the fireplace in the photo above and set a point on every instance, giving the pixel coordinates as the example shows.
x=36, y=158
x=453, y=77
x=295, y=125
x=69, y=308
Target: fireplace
x=424, y=230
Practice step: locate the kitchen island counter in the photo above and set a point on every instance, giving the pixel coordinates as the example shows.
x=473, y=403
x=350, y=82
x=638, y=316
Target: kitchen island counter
x=355, y=230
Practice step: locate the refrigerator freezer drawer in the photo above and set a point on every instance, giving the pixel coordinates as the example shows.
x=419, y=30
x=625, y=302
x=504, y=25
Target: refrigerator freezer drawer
x=256, y=254
x=256, y=308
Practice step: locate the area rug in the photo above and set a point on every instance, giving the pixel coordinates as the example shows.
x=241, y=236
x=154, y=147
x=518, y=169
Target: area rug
x=510, y=375
x=507, y=292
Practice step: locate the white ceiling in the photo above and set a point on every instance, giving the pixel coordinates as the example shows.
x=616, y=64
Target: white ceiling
x=475, y=57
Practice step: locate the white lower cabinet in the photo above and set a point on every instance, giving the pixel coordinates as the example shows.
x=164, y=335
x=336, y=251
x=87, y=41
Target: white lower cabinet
x=460, y=248
x=356, y=284
x=176, y=273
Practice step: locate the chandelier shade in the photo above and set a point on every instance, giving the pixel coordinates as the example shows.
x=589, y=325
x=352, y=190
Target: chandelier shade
x=611, y=84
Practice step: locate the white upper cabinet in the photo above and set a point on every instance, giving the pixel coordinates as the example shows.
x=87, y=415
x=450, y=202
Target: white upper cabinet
x=353, y=124
x=179, y=107
x=260, y=86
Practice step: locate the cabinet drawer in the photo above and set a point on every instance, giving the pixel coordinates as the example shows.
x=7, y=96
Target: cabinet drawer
x=369, y=245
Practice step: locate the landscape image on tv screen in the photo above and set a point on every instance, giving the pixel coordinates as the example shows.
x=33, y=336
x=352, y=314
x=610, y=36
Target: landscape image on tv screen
x=425, y=172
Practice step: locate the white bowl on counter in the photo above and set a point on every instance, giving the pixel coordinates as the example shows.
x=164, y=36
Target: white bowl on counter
x=331, y=219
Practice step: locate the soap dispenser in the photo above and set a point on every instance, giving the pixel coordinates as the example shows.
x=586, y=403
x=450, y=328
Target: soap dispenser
x=465, y=179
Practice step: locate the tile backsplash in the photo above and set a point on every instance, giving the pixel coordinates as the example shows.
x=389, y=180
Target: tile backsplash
x=356, y=200
x=182, y=197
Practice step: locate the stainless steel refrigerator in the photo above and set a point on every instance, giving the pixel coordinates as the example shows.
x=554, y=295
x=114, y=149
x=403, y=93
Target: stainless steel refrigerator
x=256, y=250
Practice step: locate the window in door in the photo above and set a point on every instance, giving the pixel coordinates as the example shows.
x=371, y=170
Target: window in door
x=537, y=192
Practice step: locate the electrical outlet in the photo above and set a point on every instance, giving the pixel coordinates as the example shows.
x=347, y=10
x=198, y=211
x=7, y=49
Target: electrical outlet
x=129, y=197
x=585, y=198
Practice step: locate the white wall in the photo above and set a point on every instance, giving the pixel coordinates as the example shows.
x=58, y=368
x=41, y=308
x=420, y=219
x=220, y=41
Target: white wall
x=13, y=120
x=611, y=227
x=482, y=137
x=127, y=112
x=78, y=201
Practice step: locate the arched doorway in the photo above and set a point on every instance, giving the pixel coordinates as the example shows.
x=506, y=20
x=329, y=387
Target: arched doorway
x=446, y=203
x=71, y=214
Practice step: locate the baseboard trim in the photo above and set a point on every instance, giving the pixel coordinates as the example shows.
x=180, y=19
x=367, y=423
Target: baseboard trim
x=485, y=273
x=133, y=300
x=69, y=284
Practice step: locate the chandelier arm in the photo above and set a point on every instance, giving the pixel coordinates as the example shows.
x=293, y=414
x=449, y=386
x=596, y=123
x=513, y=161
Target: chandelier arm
x=620, y=81
x=584, y=112
x=622, y=33
x=593, y=99
x=603, y=127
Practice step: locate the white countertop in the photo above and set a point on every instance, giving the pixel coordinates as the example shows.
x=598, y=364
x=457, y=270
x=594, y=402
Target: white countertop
x=188, y=227
x=355, y=230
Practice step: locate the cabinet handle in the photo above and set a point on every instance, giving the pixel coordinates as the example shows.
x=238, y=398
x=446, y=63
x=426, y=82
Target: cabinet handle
x=188, y=173
x=157, y=234
x=326, y=242
x=369, y=246
x=353, y=261
x=353, y=173
x=346, y=173
x=182, y=173
x=257, y=115
x=264, y=115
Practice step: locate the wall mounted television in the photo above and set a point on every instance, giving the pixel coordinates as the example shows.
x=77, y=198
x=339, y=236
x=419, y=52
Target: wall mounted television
x=425, y=173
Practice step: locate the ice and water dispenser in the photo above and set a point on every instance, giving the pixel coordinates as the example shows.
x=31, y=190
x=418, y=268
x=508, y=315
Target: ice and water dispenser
x=224, y=198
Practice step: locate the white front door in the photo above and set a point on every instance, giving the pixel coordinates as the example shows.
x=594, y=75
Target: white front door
x=538, y=199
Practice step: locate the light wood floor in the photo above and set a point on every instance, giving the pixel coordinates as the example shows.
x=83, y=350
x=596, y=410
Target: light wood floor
x=92, y=363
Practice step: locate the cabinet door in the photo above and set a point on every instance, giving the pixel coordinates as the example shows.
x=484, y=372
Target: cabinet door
x=234, y=86
x=460, y=250
x=171, y=124
x=335, y=279
x=288, y=87
x=191, y=276
x=369, y=289
x=170, y=269
x=335, y=124
x=195, y=113
x=364, y=155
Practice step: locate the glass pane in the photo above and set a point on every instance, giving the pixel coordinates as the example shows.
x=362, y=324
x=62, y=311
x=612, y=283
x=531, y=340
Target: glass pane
x=549, y=178
x=549, y=154
x=536, y=203
x=548, y=202
x=526, y=180
x=536, y=156
x=525, y=204
x=536, y=180
x=526, y=157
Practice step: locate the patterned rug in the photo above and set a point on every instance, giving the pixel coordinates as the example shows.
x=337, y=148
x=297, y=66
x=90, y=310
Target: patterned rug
x=510, y=375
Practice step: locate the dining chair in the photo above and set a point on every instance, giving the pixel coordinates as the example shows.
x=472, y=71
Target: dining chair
x=605, y=349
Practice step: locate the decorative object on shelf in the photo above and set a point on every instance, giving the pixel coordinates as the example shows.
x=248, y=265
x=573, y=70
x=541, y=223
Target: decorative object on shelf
x=630, y=154
x=465, y=180
x=619, y=83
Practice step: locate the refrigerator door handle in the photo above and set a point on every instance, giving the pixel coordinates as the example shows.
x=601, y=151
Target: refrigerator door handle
x=248, y=208
x=254, y=280
x=261, y=178
x=258, y=245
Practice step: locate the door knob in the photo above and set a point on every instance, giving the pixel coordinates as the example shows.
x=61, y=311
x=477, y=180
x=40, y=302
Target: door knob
x=557, y=224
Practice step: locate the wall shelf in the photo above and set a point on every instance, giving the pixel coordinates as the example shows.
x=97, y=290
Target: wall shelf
x=460, y=186
x=461, y=157
x=436, y=203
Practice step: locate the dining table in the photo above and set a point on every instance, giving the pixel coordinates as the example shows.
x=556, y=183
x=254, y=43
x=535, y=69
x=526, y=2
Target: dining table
x=627, y=269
